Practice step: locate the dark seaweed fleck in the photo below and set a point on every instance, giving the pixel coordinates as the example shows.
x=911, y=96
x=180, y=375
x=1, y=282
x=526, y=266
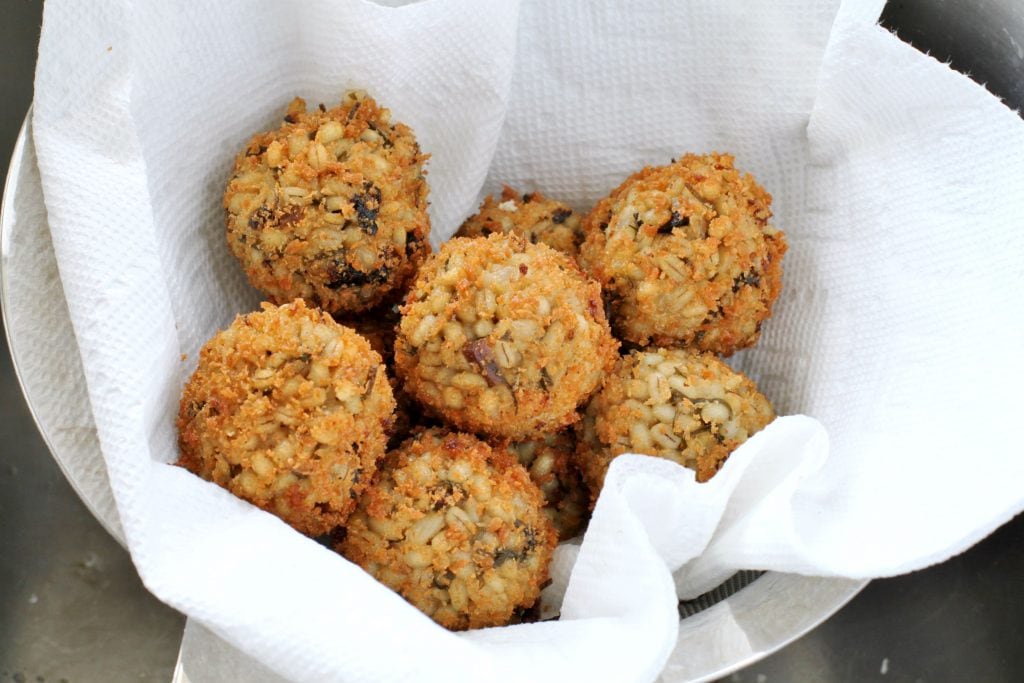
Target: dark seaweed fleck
x=527, y=198
x=322, y=107
x=753, y=278
x=352, y=111
x=341, y=274
x=444, y=491
x=503, y=555
x=387, y=140
x=234, y=470
x=259, y=218
x=442, y=581
x=675, y=221
x=367, y=206
x=560, y=215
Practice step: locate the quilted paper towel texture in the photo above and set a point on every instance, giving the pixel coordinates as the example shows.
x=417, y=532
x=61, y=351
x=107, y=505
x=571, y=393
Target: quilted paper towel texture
x=891, y=327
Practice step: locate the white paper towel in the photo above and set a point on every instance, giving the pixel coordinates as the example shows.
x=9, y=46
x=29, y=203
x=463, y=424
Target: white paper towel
x=899, y=328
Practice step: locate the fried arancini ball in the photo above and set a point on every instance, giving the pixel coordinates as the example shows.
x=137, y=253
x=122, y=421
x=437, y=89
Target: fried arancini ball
x=533, y=216
x=456, y=528
x=288, y=410
x=330, y=207
x=672, y=403
x=551, y=462
x=503, y=337
x=686, y=255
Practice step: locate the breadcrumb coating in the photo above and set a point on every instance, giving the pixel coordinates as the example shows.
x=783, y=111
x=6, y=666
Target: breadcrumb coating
x=686, y=256
x=672, y=403
x=456, y=528
x=531, y=216
x=502, y=337
x=330, y=207
x=288, y=410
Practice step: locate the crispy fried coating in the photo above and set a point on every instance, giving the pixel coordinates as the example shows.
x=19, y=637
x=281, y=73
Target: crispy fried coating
x=288, y=410
x=672, y=403
x=532, y=216
x=456, y=528
x=551, y=462
x=330, y=207
x=686, y=255
x=503, y=337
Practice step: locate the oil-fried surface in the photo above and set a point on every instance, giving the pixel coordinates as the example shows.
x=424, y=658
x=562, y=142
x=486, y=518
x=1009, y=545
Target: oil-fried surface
x=688, y=407
x=503, y=337
x=532, y=216
x=551, y=462
x=456, y=528
x=686, y=255
x=331, y=207
x=287, y=409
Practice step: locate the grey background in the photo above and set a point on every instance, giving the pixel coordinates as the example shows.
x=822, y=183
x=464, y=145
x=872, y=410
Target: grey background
x=73, y=610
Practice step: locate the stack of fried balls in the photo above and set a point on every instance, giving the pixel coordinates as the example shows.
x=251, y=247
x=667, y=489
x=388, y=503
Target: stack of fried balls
x=444, y=420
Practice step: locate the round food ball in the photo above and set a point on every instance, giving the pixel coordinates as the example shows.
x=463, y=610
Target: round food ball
x=456, y=528
x=503, y=337
x=672, y=403
x=330, y=207
x=686, y=255
x=288, y=410
x=531, y=216
x=551, y=462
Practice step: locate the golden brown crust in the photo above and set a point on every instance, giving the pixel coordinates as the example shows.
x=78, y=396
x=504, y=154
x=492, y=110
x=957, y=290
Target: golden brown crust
x=503, y=337
x=330, y=207
x=456, y=528
x=288, y=410
x=532, y=216
x=672, y=403
x=686, y=256
x=551, y=462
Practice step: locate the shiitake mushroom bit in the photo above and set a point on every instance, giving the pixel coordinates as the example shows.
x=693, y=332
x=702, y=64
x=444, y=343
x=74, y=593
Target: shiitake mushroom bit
x=456, y=527
x=503, y=337
x=501, y=333
x=686, y=255
x=330, y=207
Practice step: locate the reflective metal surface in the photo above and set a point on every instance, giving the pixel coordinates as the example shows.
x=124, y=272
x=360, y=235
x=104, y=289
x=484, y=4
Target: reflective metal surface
x=72, y=608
